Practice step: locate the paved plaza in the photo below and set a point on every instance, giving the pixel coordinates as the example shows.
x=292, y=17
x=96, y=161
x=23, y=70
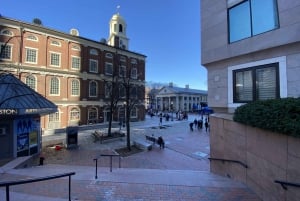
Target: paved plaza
x=178, y=172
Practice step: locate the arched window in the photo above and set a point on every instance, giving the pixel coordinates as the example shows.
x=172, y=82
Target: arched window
x=109, y=55
x=54, y=117
x=32, y=38
x=75, y=87
x=6, y=32
x=54, y=86
x=56, y=43
x=93, y=52
x=74, y=114
x=30, y=81
x=120, y=28
x=93, y=89
x=76, y=47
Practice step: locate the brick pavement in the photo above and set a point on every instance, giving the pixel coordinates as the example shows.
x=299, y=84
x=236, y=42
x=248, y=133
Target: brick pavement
x=179, y=172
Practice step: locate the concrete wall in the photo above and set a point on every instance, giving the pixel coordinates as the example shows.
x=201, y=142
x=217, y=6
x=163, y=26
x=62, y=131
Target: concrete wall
x=270, y=156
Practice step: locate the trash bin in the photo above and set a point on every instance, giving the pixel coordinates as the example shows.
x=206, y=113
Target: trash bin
x=72, y=137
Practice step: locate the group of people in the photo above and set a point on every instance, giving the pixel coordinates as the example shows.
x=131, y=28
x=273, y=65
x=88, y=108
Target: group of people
x=199, y=124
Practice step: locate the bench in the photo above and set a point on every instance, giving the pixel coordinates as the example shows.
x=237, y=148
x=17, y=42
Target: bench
x=151, y=139
x=142, y=145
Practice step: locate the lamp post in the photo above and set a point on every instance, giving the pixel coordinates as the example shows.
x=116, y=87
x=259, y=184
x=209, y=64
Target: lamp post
x=172, y=110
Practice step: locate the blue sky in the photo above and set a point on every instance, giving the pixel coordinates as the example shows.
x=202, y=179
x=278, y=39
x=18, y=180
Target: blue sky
x=166, y=31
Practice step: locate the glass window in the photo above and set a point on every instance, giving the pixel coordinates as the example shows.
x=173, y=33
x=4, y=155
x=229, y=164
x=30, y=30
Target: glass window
x=31, y=55
x=6, y=32
x=109, y=55
x=256, y=83
x=54, y=117
x=134, y=73
x=5, y=51
x=31, y=82
x=133, y=93
x=32, y=38
x=74, y=114
x=122, y=71
x=93, y=66
x=108, y=68
x=92, y=114
x=76, y=63
x=75, y=88
x=55, y=59
x=75, y=47
x=122, y=91
x=252, y=17
x=93, y=52
x=93, y=89
x=55, y=43
x=54, y=86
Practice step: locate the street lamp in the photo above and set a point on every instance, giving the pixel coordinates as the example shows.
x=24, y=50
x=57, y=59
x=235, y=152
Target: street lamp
x=172, y=110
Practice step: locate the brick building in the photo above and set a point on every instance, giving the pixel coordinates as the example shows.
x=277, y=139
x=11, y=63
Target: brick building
x=72, y=71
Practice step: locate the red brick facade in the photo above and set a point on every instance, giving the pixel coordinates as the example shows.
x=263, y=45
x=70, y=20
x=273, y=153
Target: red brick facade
x=58, y=66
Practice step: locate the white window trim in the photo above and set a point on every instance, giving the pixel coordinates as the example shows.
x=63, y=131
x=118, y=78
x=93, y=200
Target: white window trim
x=78, y=89
x=76, y=48
x=37, y=55
x=56, y=43
x=282, y=77
x=11, y=34
x=97, y=69
x=32, y=38
x=58, y=88
x=90, y=89
x=93, y=52
x=72, y=62
x=11, y=52
x=35, y=84
x=59, y=59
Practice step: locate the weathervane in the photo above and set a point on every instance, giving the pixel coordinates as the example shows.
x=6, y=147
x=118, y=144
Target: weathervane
x=118, y=8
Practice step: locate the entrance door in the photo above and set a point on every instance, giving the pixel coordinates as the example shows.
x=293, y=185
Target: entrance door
x=7, y=139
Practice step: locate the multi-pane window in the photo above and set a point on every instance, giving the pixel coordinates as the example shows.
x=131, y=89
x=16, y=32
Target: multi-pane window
x=31, y=55
x=54, y=59
x=122, y=92
x=122, y=71
x=134, y=73
x=76, y=47
x=93, y=66
x=5, y=52
x=55, y=43
x=133, y=92
x=134, y=112
x=76, y=63
x=92, y=113
x=93, y=89
x=256, y=83
x=75, y=86
x=31, y=82
x=6, y=32
x=252, y=17
x=54, y=117
x=54, y=86
x=74, y=114
x=32, y=38
x=108, y=68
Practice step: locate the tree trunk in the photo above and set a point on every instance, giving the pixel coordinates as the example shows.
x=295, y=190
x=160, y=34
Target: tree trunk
x=128, y=127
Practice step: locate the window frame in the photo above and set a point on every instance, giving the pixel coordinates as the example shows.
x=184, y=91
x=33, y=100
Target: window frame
x=252, y=25
x=74, y=114
x=90, y=89
x=52, y=59
x=30, y=80
x=91, y=61
x=75, y=89
x=108, y=64
x=5, y=51
x=122, y=71
x=93, y=110
x=34, y=57
x=32, y=38
x=282, y=80
x=54, y=90
x=77, y=63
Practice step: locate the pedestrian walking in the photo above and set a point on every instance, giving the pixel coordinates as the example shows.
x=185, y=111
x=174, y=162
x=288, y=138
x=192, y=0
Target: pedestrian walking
x=161, y=142
x=191, y=126
x=206, y=125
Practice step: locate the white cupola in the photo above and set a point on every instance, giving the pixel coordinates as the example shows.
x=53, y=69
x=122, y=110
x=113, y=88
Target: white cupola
x=117, y=32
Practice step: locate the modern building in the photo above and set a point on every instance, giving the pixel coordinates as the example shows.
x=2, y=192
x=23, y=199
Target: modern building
x=73, y=72
x=171, y=98
x=251, y=50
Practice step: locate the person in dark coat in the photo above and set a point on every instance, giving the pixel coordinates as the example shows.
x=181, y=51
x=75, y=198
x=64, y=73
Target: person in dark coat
x=191, y=126
x=161, y=142
x=206, y=125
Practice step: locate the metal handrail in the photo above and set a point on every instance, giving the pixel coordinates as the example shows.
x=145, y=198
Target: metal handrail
x=107, y=155
x=229, y=160
x=284, y=184
x=25, y=181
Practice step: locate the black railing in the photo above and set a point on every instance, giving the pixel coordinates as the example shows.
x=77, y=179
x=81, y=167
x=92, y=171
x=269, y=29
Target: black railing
x=7, y=184
x=110, y=156
x=229, y=160
x=284, y=184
